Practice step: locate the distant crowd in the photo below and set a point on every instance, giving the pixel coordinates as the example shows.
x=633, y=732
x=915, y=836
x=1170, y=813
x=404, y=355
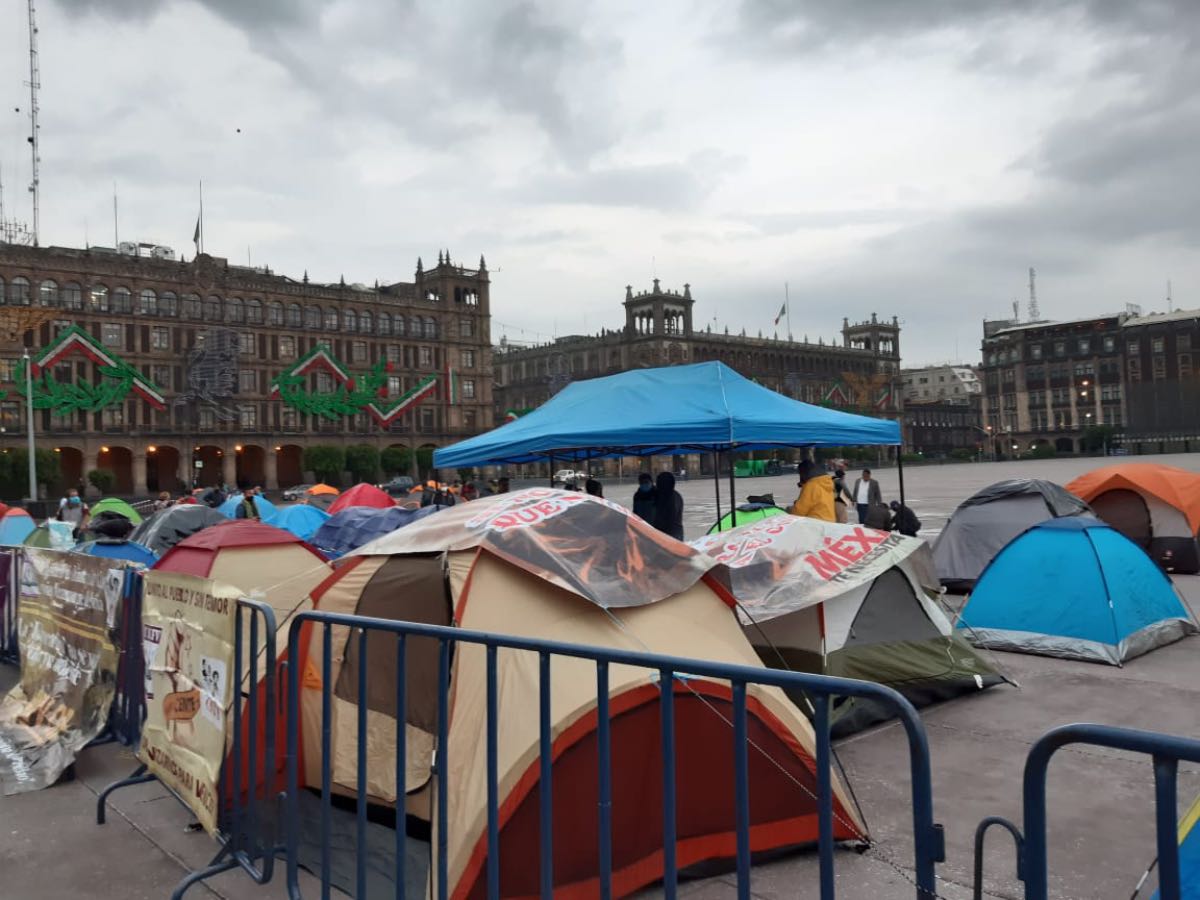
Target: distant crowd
x=824, y=495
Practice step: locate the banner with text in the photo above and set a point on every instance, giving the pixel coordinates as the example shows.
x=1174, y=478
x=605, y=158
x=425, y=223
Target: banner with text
x=188, y=632
x=68, y=612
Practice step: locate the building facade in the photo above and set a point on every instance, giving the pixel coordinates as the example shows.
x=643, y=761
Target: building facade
x=861, y=374
x=171, y=373
x=941, y=384
x=1050, y=382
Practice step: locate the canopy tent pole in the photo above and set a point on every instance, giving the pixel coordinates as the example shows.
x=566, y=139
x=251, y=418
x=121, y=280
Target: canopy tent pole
x=717, y=483
x=732, y=493
x=900, y=470
x=551, y=470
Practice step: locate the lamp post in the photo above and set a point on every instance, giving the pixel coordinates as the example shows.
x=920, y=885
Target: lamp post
x=29, y=425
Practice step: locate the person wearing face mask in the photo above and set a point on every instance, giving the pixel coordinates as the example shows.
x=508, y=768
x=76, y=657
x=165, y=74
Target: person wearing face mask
x=643, y=497
x=73, y=511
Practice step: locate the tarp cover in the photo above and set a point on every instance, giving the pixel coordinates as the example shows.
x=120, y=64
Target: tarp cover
x=166, y=528
x=1059, y=501
x=584, y=544
x=351, y=528
x=1176, y=487
x=786, y=563
x=675, y=409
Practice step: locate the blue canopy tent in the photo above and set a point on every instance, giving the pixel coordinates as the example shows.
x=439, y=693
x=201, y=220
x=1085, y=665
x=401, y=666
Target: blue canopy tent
x=703, y=407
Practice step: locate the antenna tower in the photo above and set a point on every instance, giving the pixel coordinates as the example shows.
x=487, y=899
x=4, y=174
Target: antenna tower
x=11, y=231
x=35, y=82
x=1034, y=314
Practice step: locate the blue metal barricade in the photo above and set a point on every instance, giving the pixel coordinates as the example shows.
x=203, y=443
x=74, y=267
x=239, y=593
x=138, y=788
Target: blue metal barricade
x=248, y=824
x=129, y=705
x=672, y=673
x=1166, y=751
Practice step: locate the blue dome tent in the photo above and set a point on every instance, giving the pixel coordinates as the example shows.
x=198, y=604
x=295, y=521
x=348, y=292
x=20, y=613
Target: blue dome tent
x=1077, y=589
x=351, y=528
x=301, y=520
x=266, y=508
x=128, y=550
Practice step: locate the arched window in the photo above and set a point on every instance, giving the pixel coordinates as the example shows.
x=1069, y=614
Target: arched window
x=385, y=323
x=18, y=291
x=295, y=318
x=48, y=293
x=149, y=303
x=121, y=302
x=235, y=310
x=253, y=312
x=431, y=327
x=71, y=296
x=331, y=319
x=312, y=317
x=191, y=306
x=274, y=312
x=167, y=304
x=398, y=326
x=365, y=323
x=414, y=327
x=212, y=308
x=349, y=321
x=99, y=298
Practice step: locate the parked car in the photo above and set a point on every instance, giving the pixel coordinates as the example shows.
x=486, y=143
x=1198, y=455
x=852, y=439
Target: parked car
x=569, y=477
x=398, y=486
x=296, y=492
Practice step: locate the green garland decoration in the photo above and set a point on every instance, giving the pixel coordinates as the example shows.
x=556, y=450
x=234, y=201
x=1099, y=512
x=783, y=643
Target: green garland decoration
x=349, y=398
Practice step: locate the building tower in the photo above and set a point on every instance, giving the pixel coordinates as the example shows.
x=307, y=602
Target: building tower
x=658, y=312
x=881, y=338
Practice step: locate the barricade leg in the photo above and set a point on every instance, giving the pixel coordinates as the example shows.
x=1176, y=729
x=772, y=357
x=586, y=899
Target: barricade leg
x=222, y=862
x=139, y=776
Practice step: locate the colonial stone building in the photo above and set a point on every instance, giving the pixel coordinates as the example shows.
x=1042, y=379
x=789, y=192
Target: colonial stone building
x=860, y=374
x=171, y=373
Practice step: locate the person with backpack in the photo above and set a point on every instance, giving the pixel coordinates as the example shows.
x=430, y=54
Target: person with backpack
x=904, y=520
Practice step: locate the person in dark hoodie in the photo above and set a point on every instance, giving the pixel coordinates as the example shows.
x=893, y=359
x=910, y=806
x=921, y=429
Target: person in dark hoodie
x=904, y=520
x=668, y=506
x=643, y=497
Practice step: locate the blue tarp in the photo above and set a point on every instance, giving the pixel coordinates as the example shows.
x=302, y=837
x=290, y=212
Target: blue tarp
x=229, y=508
x=301, y=520
x=130, y=550
x=1076, y=588
x=351, y=528
x=677, y=409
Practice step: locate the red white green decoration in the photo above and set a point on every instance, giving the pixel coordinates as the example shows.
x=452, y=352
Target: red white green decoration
x=364, y=393
x=118, y=378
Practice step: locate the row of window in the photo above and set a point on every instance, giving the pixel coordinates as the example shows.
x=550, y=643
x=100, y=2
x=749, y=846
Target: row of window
x=233, y=310
x=1107, y=344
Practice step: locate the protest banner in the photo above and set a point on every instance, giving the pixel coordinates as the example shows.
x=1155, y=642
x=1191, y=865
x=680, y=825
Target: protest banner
x=68, y=609
x=188, y=634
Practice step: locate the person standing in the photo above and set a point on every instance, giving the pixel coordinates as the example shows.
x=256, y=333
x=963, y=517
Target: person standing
x=73, y=511
x=866, y=494
x=816, y=494
x=247, y=509
x=840, y=495
x=594, y=487
x=668, y=506
x=643, y=497
x=163, y=501
x=502, y=485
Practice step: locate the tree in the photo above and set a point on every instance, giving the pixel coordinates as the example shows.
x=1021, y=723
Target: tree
x=14, y=472
x=425, y=461
x=362, y=462
x=1096, y=437
x=325, y=462
x=103, y=480
x=395, y=460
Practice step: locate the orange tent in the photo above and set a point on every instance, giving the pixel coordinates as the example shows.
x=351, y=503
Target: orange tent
x=319, y=489
x=1156, y=506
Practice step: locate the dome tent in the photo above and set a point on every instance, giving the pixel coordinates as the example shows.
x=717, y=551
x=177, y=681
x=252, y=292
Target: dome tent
x=166, y=528
x=119, y=507
x=362, y=495
x=128, y=550
x=52, y=535
x=301, y=520
x=1155, y=506
x=15, y=526
x=753, y=510
x=848, y=601
x=986, y=521
x=1078, y=589
x=564, y=566
x=351, y=528
x=230, y=504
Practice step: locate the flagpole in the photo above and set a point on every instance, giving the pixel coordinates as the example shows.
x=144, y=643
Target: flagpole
x=787, y=304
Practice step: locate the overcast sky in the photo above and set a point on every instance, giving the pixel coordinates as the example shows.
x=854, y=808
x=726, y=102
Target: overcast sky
x=907, y=158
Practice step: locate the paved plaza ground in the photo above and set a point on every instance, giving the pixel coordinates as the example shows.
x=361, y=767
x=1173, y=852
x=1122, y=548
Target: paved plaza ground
x=1101, y=818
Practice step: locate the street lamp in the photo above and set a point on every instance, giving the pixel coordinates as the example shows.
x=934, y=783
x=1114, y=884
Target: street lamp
x=29, y=423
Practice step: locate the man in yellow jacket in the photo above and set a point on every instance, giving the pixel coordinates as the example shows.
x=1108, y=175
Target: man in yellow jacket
x=816, y=494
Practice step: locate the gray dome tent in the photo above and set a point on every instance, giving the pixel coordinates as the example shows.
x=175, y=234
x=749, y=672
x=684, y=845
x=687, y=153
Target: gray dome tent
x=985, y=522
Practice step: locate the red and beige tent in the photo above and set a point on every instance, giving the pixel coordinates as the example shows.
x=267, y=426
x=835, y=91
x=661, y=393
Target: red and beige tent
x=570, y=567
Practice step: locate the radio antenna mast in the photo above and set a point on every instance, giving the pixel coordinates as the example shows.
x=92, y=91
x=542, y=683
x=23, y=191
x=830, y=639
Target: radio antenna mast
x=1034, y=314
x=35, y=82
